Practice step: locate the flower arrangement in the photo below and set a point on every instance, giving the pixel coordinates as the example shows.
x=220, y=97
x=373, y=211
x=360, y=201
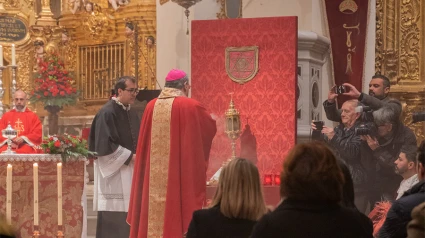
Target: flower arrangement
x=68, y=146
x=53, y=85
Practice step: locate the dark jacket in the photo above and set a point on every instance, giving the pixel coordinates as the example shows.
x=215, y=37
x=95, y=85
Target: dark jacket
x=346, y=146
x=334, y=114
x=210, y=223
x=298, y=219
x=382, y=175
x=399, y=215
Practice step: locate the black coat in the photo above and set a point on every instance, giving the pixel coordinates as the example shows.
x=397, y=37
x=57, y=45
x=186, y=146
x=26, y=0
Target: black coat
x=299, y=219
x=346, y=146
x=210, y=223
x=399, y=215
x=381, y=173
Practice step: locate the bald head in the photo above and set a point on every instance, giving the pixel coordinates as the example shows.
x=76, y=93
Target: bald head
x=20, y=99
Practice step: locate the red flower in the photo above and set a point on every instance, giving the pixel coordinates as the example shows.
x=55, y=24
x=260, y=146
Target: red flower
x=62, y=93
x=47, y=150
x=46, y=94
x=57, y=143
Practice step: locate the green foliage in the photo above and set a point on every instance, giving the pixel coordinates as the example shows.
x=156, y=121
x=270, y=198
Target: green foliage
x=68, y=146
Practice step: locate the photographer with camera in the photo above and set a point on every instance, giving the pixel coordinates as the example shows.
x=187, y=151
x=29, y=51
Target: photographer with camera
x=379, y=87
x=383, y=149
x=346, y=146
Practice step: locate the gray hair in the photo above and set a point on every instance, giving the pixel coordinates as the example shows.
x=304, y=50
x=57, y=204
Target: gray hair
x=178, y=84
x=384, y=115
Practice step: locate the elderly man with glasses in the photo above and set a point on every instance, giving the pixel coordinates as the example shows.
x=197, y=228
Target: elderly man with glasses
x=383, y=149
x=113, y=136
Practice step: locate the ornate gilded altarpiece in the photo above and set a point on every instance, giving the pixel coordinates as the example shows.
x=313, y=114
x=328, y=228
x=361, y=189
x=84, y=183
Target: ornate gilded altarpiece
x=95, y=38
x=400, y=54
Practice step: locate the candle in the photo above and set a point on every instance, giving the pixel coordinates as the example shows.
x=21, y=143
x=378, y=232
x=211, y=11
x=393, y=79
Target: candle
x=35, y=174
x=1, y=55
x=9, y=194
x=60, y=194
x=13, y=55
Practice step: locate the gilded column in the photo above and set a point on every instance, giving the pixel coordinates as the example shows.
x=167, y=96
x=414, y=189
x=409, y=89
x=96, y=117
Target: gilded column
x=46, y=15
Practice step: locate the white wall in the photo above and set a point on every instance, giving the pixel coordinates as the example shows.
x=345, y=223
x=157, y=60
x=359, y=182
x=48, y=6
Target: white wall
x=173, y=45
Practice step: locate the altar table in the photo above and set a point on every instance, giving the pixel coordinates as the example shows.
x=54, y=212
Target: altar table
x=74, y=179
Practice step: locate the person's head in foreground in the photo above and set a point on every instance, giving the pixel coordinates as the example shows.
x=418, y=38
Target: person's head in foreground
x=239, y=192
x=311, y=173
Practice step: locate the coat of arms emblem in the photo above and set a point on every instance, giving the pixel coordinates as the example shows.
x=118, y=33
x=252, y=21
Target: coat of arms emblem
x=242, y=63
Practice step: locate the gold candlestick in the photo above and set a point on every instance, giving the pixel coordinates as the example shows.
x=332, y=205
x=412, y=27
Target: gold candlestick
x=233, y=125
x=60, y=232
x=36, y=232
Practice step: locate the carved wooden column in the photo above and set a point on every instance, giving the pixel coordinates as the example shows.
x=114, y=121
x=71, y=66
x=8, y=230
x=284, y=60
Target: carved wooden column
x=400, y=50
x=46, y=15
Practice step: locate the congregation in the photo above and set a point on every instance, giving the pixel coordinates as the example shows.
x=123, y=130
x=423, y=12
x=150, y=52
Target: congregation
x=362, y=178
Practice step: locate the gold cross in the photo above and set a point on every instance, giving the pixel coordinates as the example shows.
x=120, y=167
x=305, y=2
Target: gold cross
x=19, y=127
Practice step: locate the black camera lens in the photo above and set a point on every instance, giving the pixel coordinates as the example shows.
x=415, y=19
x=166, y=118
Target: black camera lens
x=418, y=116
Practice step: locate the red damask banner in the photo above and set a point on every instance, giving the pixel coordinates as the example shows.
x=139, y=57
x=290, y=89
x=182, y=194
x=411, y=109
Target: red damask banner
x=347, y=21
x=262, y=52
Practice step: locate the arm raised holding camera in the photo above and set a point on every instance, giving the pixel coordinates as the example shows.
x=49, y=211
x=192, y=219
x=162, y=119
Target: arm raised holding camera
x=331, y=110
x=374, y=101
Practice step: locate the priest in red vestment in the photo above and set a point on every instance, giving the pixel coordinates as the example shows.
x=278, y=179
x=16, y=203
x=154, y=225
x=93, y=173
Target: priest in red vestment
x=169, y=179
x=25, y=122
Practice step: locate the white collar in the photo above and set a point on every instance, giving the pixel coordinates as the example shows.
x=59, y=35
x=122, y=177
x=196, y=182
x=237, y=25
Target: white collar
x=126, y=108
x=23, y=110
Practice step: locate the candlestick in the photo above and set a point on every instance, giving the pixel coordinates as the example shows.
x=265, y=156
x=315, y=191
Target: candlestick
x=60, y=232
x=36, y=232
x=13, y=55
x=35, y=172
x=1, y=55
x=9, y=194
x=59, y=194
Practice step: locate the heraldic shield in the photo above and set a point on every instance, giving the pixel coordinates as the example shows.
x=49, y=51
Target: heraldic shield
x=242, y=63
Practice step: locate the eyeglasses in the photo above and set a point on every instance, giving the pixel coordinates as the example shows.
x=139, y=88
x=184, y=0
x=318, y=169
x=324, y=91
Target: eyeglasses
x=132, y=90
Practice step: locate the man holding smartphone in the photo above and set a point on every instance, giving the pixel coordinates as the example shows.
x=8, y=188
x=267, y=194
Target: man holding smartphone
x=379, y=88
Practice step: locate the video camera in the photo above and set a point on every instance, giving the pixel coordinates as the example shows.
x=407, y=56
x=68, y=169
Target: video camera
x=368, y=126
x=418, y=116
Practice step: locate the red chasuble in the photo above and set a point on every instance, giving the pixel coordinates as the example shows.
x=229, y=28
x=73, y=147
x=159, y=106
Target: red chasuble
x=28, y=126
x=169, y=179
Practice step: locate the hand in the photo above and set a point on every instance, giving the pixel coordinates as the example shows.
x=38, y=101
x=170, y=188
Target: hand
x=371, y=142
x=313, y=126
x=332, y=95
x=133, y=158
x=329, y=132
x=214, y=117
x=18, y=140
x=352, y=91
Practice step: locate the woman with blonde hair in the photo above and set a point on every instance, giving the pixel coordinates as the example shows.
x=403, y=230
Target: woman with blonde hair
x=237, y=204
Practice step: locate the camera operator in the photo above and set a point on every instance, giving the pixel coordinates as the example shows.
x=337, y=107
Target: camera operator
x=346, y=146
x=383, y=149
x=379, y=87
